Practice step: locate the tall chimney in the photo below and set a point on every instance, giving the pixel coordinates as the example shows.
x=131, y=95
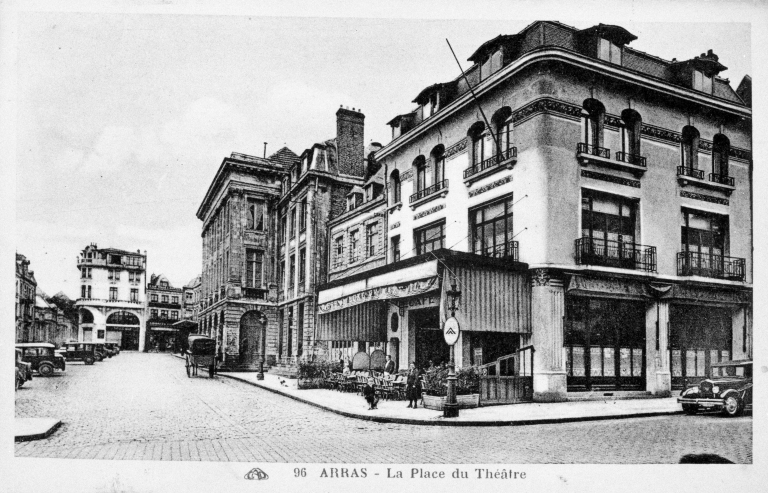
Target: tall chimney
x=350, y=142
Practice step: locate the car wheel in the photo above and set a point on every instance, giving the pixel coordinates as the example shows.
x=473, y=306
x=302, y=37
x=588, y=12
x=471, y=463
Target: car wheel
x=45, y=369
x=99, y=357
x=88, y=360
x=689, y=409
x=733, y=405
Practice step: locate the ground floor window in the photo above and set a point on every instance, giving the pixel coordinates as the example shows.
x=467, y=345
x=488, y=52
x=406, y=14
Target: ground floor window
x=604, y=344
x=699, y=336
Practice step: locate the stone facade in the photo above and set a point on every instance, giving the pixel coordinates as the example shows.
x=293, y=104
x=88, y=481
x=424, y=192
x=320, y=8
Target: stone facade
x=26, y=289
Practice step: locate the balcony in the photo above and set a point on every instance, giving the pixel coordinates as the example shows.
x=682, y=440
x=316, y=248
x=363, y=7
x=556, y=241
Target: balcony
x=508, y=250
x=710, y=265
x=255, y=293
x=502, y=160
x=610, y=253
x=439, y=189
x=690, y=176
x=601, y=157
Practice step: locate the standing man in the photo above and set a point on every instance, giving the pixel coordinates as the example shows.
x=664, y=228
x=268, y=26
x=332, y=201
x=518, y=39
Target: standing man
x=389, y=367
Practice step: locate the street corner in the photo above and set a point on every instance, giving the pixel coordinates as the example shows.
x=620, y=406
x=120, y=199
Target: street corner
x=28, y=429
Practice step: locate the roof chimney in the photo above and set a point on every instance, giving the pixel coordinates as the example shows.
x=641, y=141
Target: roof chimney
x=349, y=141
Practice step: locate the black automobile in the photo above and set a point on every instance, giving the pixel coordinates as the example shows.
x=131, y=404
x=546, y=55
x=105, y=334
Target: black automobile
x=105, y=350
x=114, y=347
x=81, y=351
x=728, y=389
x=42, y=357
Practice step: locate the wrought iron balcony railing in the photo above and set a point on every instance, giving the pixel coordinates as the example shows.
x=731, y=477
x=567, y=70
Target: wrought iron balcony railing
x=710, y=265
x=491, y=162
x=610, y=253
x=635, y=159
x=692, y=172
x=593, y=150
x=507, y=250
x=721, y=179
x=441, y=185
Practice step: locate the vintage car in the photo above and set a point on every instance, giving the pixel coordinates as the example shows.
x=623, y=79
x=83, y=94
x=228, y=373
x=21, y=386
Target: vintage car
x=81, y=351
x=107, y=351
x=113, y=346
x=728, y=389
x=23, y=370
x=42, y=356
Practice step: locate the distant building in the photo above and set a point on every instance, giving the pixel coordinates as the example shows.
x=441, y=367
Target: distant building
x=191, y=299
x=26, y=289
x=112, y=296
x=164, y=308
x=51, y=323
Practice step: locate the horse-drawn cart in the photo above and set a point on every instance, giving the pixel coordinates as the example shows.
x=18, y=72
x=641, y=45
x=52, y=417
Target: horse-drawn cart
x=201, y=353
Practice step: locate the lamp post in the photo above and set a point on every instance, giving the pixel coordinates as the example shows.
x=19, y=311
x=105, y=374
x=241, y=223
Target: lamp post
x=451, y=334
x=263, y=349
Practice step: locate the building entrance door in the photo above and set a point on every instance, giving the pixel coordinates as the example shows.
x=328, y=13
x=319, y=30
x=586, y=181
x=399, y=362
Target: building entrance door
x=130, y=340
x=250, y=338
x=605, y=344
x=430, y=344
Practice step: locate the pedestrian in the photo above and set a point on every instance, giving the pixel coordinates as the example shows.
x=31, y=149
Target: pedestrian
x=389, y=367
x=341, y=364
x=369, y=392
x=413, y=387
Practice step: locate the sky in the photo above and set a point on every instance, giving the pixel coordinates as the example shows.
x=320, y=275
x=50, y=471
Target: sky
x=123, y=119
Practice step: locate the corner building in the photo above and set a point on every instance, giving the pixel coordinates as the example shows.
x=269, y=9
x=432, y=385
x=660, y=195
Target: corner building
x=602, y=214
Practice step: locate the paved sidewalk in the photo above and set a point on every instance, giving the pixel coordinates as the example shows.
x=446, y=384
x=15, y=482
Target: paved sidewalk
x=26, y=429
x=354, y=406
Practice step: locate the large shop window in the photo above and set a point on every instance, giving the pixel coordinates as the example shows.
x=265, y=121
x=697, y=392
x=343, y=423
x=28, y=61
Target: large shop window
x=605, y=344
x=699, y=336
x=492, y=229
x=608, y=231
x=431, y=237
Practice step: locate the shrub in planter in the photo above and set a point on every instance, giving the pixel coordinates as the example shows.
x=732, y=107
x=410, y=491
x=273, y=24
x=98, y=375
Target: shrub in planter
x=312, y=373
x=467, y=381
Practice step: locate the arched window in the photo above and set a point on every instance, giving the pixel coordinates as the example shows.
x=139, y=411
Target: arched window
x=438, y=159
x=122, y=318
x=420, y=168
x=592, y=115
x=86, y=317
x=630, y=136
x=690, y=149
x=476, y=135
x=394, y=185
x=503, y=128
x=720, y=148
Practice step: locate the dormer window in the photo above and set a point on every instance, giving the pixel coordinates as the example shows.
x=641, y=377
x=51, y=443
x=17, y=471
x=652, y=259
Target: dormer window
x=701, y=82
x=353, y=201
x=608, y=51
x=369, y=193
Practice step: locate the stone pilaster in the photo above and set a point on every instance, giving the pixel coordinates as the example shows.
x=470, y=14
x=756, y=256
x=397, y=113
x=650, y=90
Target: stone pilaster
x=547, y=314
x=658, y=379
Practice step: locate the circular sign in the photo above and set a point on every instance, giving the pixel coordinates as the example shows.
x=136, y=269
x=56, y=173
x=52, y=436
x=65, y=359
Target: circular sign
x=451, y=331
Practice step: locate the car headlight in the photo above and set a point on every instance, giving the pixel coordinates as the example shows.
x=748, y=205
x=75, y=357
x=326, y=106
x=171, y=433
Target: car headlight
x=715, y=390
x=692, y=390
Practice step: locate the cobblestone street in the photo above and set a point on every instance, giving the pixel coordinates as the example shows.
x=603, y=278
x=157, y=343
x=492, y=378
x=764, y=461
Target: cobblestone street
x=143, y=406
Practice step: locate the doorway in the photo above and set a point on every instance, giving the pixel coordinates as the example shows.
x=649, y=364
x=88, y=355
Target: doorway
x=430, y=344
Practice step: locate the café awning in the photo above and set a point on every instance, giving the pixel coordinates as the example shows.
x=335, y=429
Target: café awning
x=402, y=283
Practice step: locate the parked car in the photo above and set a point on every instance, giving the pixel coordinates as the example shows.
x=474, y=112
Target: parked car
x=81, y=351
x=23, y=370
x=105, y=350
x=42, y=356
x=728, y=389
x=113, y=346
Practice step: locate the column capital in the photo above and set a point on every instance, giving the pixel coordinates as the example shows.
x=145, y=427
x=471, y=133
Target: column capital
x=545, y=278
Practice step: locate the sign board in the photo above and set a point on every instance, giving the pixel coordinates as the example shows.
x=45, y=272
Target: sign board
x=451, y=331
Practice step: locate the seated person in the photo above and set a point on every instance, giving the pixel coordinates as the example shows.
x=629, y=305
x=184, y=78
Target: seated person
x=369, y=392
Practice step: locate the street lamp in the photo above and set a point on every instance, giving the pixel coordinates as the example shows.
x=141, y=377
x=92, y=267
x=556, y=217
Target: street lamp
x=262, y=355
x=451, y=409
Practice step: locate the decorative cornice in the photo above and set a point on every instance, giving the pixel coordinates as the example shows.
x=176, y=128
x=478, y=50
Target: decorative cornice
x=428, y=211
x=456, y=148
x=546, y=105
x=490, y=186
x=610, y=178
x=702, y=197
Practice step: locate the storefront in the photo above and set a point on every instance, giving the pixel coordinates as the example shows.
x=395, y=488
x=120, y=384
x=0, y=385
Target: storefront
x=402, y=306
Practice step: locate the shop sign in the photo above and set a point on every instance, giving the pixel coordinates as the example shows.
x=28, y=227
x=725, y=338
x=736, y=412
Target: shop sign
x=404, y=290
x=451, y=331
x=422, y=301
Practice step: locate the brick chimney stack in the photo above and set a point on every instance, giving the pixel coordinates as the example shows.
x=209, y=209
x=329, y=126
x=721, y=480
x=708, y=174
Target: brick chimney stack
x=349, y=141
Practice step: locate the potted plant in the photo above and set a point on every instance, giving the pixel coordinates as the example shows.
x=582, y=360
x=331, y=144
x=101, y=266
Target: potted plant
x=467, y=388
x=312, y=374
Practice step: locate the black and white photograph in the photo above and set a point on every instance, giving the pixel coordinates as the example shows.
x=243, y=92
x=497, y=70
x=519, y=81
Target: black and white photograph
x=332, y=246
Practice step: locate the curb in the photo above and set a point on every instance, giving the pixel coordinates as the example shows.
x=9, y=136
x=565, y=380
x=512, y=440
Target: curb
x=406, y=421
x=38, y=436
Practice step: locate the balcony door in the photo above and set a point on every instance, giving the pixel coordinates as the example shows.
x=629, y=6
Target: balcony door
x=608, y=230
x=703, y=241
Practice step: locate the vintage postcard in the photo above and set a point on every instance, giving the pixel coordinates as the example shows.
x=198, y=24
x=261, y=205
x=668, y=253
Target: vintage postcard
x=315, y=247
